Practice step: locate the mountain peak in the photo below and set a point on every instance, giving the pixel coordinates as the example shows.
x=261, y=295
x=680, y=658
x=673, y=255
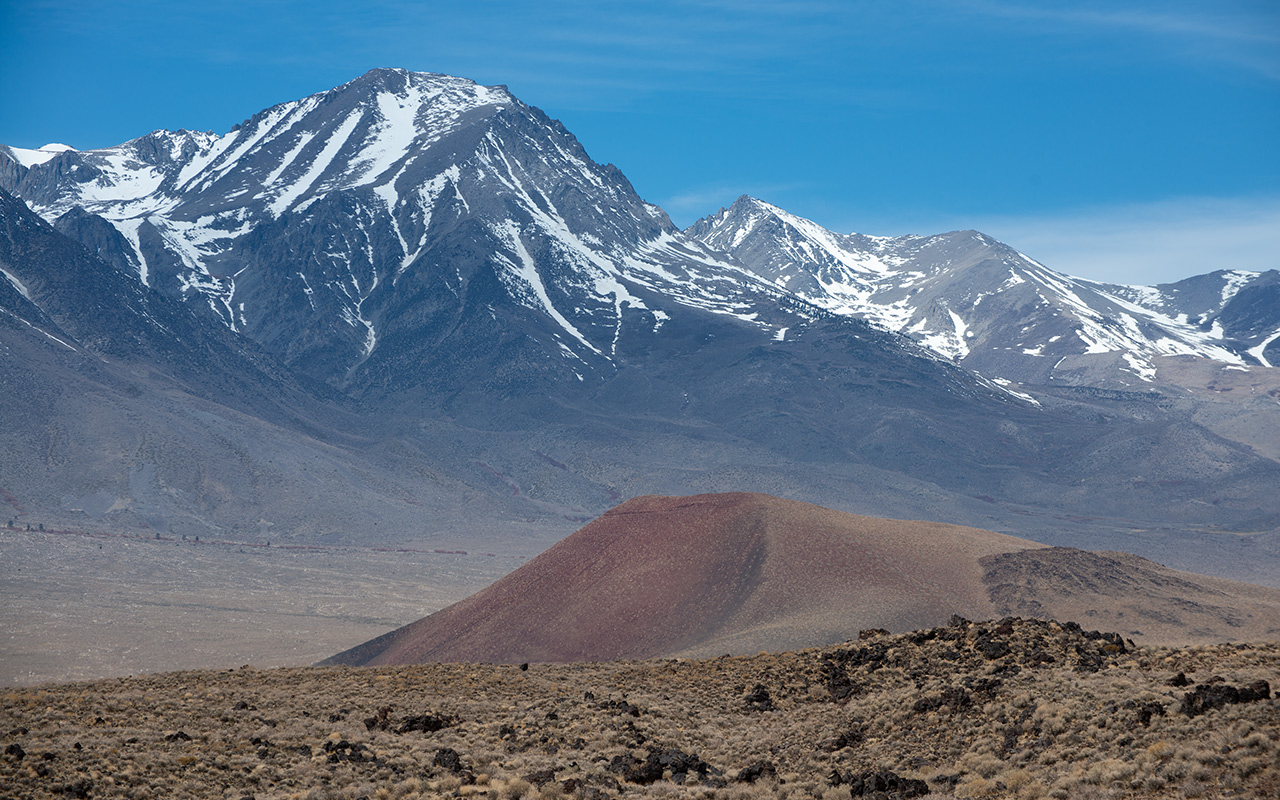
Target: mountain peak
x=400, y=81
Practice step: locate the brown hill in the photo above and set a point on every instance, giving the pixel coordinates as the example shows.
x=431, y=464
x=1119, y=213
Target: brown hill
x=741, y=573
x=1121, y=592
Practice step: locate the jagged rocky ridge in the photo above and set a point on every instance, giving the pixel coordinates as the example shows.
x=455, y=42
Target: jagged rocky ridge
x=1000, y=312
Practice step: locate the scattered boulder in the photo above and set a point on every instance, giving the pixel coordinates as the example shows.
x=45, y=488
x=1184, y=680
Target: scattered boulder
x=540, y=777
x=80, y=788
x=581, y=788
x=883, y=785
x=1088, y=660
x=1212, y=695
x=758, y=699
x=757, y=770
x=953, y=697
x=682, y=766
x=872, y=656
x=991, y=647
x=178, y=736
x=379, y=721
x=985, y=688
x=448, y=759
x=620, y=707
x=427, y=723
x=16, y=751
x=341, y=750
x=837, y=681
x=920, y=637
x=1143, y=712
x=846, y=738
x=633, y=770
x=1038, y=656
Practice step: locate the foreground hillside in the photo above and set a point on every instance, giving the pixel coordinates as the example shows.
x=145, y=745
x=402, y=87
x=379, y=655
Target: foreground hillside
x=1014, y=708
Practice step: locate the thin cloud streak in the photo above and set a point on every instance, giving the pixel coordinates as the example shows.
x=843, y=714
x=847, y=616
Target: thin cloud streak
x=1250, y=40
x=1204, y=25
x=1151, y=243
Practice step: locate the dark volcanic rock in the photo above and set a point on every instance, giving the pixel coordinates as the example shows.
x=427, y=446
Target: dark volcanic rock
x=756, y=771
x=1209, y=696
x=758, y=699
x=883, y=785
x=540, y=777
x=682, y=766
x=343, y=750
x=449, y=759
x=427, y=723
x=954, y=698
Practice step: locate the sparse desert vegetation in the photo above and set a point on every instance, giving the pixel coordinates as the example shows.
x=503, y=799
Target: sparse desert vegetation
x=1012, y=708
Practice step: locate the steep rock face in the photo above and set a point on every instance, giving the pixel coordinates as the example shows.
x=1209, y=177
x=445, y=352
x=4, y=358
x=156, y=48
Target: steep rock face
x=974, y=300
x=92, y=302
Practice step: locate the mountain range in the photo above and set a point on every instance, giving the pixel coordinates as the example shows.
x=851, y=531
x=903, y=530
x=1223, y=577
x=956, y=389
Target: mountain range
x=413, y=307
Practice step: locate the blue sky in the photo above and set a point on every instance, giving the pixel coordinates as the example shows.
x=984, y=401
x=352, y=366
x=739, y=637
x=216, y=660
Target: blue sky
x=1124, y=140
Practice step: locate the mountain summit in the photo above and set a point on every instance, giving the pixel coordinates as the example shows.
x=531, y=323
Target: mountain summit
x=350, y=231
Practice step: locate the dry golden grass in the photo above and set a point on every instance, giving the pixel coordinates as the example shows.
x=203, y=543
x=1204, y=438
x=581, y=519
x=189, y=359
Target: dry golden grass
x=945, y=706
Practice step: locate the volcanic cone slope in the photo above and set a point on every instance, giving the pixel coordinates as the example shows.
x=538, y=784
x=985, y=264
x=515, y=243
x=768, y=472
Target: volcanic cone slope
x=706, y=575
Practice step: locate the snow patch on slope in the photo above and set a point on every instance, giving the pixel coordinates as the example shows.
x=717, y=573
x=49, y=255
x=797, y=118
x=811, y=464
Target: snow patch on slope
x=29, y=158
x=323, y=159
x=527, y=272
x=17, y=284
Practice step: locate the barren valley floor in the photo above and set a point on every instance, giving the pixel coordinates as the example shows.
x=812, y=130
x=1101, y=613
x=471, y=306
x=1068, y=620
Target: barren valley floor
x=75, y=607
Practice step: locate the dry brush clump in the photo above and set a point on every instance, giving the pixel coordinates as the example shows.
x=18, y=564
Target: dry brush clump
x=1013, y=708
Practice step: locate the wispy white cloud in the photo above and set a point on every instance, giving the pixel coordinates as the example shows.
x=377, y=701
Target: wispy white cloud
x=1246, y=34
x=1149, y=243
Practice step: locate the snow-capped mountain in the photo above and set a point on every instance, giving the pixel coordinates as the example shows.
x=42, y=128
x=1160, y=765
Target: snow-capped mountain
x=345, y=230
x=358, y=232
x=474, y=316
x=978, y=302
